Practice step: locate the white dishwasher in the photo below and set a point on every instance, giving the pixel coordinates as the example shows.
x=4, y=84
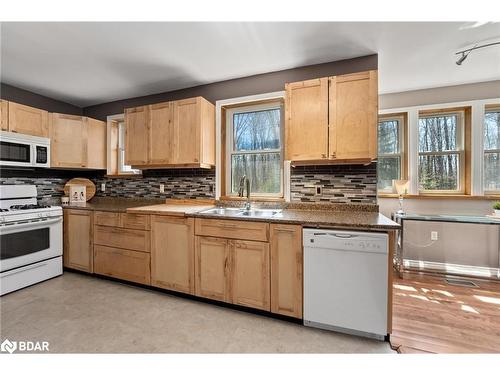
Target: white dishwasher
x=345, y=281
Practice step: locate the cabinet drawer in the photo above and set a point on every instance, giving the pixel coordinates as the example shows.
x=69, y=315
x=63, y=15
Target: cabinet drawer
x=132, y=239
x=136, y=221
x=241, y=230
x=122, y=264
x=111, y=219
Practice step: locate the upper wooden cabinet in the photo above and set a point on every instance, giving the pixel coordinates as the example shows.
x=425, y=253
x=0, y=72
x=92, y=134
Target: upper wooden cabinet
x=77, y=142
x=171, y=134
x=4, y=115
x=19, y=118
x=332, y=119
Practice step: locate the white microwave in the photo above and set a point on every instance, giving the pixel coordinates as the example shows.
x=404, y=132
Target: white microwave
x=21, y=150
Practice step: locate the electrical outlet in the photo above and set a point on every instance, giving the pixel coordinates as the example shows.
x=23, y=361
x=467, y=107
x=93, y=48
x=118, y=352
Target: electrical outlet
x=162, y=188
x=434, y=236
x=103, y=187
x=319, y=190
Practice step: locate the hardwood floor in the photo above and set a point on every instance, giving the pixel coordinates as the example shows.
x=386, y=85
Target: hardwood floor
x=432, y=316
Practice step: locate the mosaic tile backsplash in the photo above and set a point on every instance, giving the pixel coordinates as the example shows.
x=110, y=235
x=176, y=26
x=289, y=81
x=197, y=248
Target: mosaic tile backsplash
x=338, y=183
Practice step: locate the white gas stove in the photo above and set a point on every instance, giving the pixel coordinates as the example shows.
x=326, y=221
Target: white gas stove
x=31, y=244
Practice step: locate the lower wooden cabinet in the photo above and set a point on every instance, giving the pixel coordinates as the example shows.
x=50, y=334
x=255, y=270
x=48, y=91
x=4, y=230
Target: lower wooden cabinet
x=286, y=269
x=123, y=264
x=250, y=285
x=123, y=238
x=212, y=268
x=172, y=253
x=78, y=228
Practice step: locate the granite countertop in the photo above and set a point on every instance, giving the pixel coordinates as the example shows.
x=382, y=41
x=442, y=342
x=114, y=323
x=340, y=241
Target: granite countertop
x=307, y=215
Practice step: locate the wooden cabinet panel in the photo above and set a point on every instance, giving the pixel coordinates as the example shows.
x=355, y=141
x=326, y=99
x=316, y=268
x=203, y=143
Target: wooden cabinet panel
x=68, y=141
x=250, y=274
x=137, y=136
x=96, y=143
x=244, y=230
x=306, y=120
x=122, y=264
x=161, y=133
x=28, y=120
x=130, y=239
x=111, y=219
x=353, y=102
x=187, y=122
x=136, y=221
x=78, y=249
x=172, y=253
x=4, y=115
x=286, y=270
x=212, y=268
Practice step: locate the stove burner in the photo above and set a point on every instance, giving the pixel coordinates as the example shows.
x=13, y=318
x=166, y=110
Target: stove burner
x=27, y=206
x=4, y=209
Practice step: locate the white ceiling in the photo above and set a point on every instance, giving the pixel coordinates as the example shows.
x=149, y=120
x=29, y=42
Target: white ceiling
x=90, y=63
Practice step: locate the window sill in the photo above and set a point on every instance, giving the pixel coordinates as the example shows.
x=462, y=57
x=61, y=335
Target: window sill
x=252, y=199
x=442, y=196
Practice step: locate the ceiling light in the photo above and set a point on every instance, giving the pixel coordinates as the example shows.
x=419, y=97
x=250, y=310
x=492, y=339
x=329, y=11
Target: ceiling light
x=466, y=52
x=462, y=58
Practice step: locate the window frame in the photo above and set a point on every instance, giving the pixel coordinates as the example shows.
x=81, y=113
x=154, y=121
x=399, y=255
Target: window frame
x=402, y=118
x=461, y=150
x=229, y=149
x=115, y=157
x=121, y=152
x=488, y=108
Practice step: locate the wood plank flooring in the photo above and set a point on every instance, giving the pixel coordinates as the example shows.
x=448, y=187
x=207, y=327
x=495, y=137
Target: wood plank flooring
x=432, y=316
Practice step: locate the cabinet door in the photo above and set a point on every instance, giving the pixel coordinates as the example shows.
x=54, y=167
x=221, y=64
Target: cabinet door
x=187, y=123
x=78, y=249
x=161, y=133
x=4, y=115
x=96, y=143
x=68, y=141
x=250, y=284
x=353, y=104
x=306, y=120
x=136, y=136
x=123, y=264
x=212, y=268
x=172, y=253
x=28, y=120
x=286, y=270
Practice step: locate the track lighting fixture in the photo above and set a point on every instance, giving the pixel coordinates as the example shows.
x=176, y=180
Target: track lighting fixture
x=465, y=53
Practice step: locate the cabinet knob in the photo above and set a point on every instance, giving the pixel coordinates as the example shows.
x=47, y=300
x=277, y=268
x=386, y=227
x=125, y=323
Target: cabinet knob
x=334, y=155
x=323, y=156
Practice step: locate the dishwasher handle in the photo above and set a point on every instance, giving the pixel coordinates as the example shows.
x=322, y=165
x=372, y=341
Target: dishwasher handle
x=337, y=235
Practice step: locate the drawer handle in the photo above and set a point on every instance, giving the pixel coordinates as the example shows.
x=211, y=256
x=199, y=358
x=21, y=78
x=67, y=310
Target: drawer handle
x=285, y=230
x=228, y=226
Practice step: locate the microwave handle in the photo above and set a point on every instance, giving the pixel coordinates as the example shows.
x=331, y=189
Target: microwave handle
x=32, y=223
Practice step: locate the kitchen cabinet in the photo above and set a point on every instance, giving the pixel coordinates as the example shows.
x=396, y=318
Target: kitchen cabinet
x=353, y=112
x=235, y=229
x=332, y=119
x=172, y=253
x=286, y=270
x=26, y=120
x=4, y=115
x=250, y=285
x=122, y=264
x=172, y=134
x=77, y=142
x=212, y=268
x=78, y=240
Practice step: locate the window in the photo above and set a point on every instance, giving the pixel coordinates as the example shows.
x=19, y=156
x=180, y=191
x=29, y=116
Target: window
x=491, y=180
x=122, y=167
x=391, y=163
x=441, y=152
x=254, y=137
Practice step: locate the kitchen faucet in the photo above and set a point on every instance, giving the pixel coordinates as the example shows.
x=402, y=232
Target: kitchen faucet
x=245, y=184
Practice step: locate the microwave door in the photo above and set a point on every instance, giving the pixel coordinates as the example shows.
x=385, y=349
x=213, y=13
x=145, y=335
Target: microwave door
x=15, y=153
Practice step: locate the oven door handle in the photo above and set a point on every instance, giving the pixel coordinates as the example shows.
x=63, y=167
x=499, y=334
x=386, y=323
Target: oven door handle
x=37, y=223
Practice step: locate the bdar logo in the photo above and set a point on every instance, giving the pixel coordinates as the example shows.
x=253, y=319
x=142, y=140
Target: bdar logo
x=8, y=346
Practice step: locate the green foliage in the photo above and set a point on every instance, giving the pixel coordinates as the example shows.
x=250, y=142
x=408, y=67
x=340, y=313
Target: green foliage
x=496, y=205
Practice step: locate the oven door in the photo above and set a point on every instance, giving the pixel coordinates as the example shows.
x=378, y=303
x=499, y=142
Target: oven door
x=16, y=153
x=30, y=242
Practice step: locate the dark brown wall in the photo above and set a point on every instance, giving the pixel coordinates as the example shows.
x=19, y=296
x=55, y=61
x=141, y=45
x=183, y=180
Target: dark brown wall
x=257, y=84
x=15, y=94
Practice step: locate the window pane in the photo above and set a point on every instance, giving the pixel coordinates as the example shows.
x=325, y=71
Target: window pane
x=438, y=172
x=263, y=170
x=438, y=133
x=259, y=130
x=492, y=130
x=388, y=137
x=492, y=171
x=388, y=169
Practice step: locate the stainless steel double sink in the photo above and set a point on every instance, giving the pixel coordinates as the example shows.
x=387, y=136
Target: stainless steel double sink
x=226, y=211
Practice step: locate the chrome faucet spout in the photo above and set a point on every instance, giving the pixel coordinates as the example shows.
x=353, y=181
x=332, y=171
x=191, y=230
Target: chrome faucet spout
x=245, y=184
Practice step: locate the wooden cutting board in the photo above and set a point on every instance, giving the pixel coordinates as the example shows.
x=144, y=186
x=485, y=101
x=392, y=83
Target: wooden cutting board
x=90, y=187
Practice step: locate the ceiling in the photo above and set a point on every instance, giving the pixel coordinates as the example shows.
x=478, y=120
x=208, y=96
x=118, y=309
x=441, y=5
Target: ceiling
x=90, y=63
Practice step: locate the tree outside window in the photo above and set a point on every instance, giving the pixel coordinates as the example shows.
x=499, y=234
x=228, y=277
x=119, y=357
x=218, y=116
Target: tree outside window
x=491, y=142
